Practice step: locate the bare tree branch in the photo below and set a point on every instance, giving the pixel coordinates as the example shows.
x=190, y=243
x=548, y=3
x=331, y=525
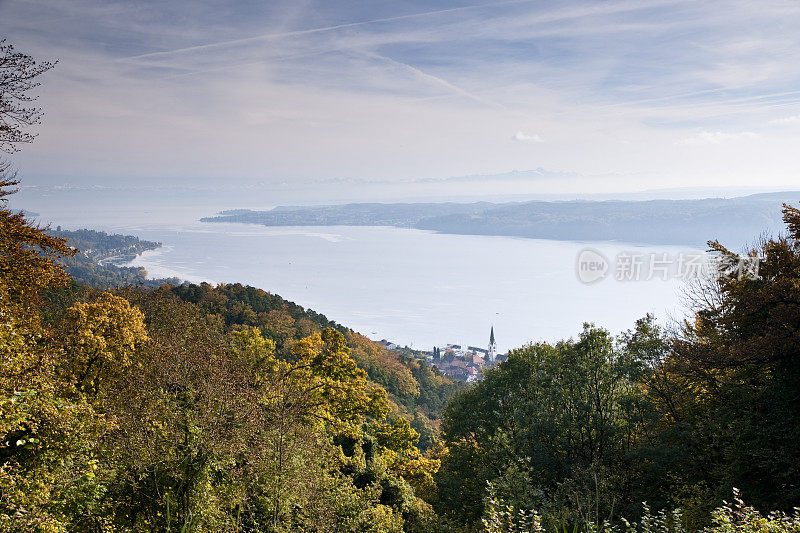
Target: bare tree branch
x=18, y=77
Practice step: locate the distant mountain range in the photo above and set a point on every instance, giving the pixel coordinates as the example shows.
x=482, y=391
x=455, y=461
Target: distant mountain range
x=733, y=221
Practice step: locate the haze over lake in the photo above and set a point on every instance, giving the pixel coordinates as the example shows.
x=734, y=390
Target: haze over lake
x=413, y=287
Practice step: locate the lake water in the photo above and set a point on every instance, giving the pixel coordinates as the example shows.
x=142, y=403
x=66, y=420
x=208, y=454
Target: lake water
x=413, y=287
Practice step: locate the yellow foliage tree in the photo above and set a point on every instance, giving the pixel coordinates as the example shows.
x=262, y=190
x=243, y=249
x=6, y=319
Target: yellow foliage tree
x=46, y=456
x=100, y=338
x=334, y=389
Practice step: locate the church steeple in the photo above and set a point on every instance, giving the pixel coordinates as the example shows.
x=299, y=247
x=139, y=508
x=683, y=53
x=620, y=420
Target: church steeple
x=492, y=347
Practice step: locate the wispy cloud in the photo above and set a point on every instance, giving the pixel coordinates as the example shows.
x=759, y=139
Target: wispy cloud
x=794, y=119
x=317, y=90
x=716, y=137
x=527, y=138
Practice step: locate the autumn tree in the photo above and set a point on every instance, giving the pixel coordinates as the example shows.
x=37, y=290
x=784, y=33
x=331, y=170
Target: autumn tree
x=47, y=438
x=43, y=435
x=100, y=338
x=181, y=413
x=736, y=369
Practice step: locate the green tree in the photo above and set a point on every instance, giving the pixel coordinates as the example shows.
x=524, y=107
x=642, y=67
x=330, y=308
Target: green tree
x=552, y=428
x=735, y=369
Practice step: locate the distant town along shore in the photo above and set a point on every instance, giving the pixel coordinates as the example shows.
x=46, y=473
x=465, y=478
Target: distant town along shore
x=464, y=363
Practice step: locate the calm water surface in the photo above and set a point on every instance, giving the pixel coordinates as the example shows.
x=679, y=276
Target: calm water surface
x=413, y=287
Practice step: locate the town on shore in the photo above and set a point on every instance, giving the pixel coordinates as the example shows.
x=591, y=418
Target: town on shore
x=461, y=362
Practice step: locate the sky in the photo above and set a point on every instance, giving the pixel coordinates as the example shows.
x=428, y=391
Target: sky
x=598, y=95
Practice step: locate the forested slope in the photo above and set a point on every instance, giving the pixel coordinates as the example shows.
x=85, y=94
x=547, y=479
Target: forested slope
x=416, y=390
x=137, y=409
x=228, y=408
x=97, y=261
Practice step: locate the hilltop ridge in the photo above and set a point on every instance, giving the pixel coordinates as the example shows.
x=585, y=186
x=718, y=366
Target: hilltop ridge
x=687, y=222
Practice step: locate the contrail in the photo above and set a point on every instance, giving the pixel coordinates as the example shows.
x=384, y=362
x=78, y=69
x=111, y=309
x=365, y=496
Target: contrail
x=435, y=79
x=621, y=6
x=269, y=36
